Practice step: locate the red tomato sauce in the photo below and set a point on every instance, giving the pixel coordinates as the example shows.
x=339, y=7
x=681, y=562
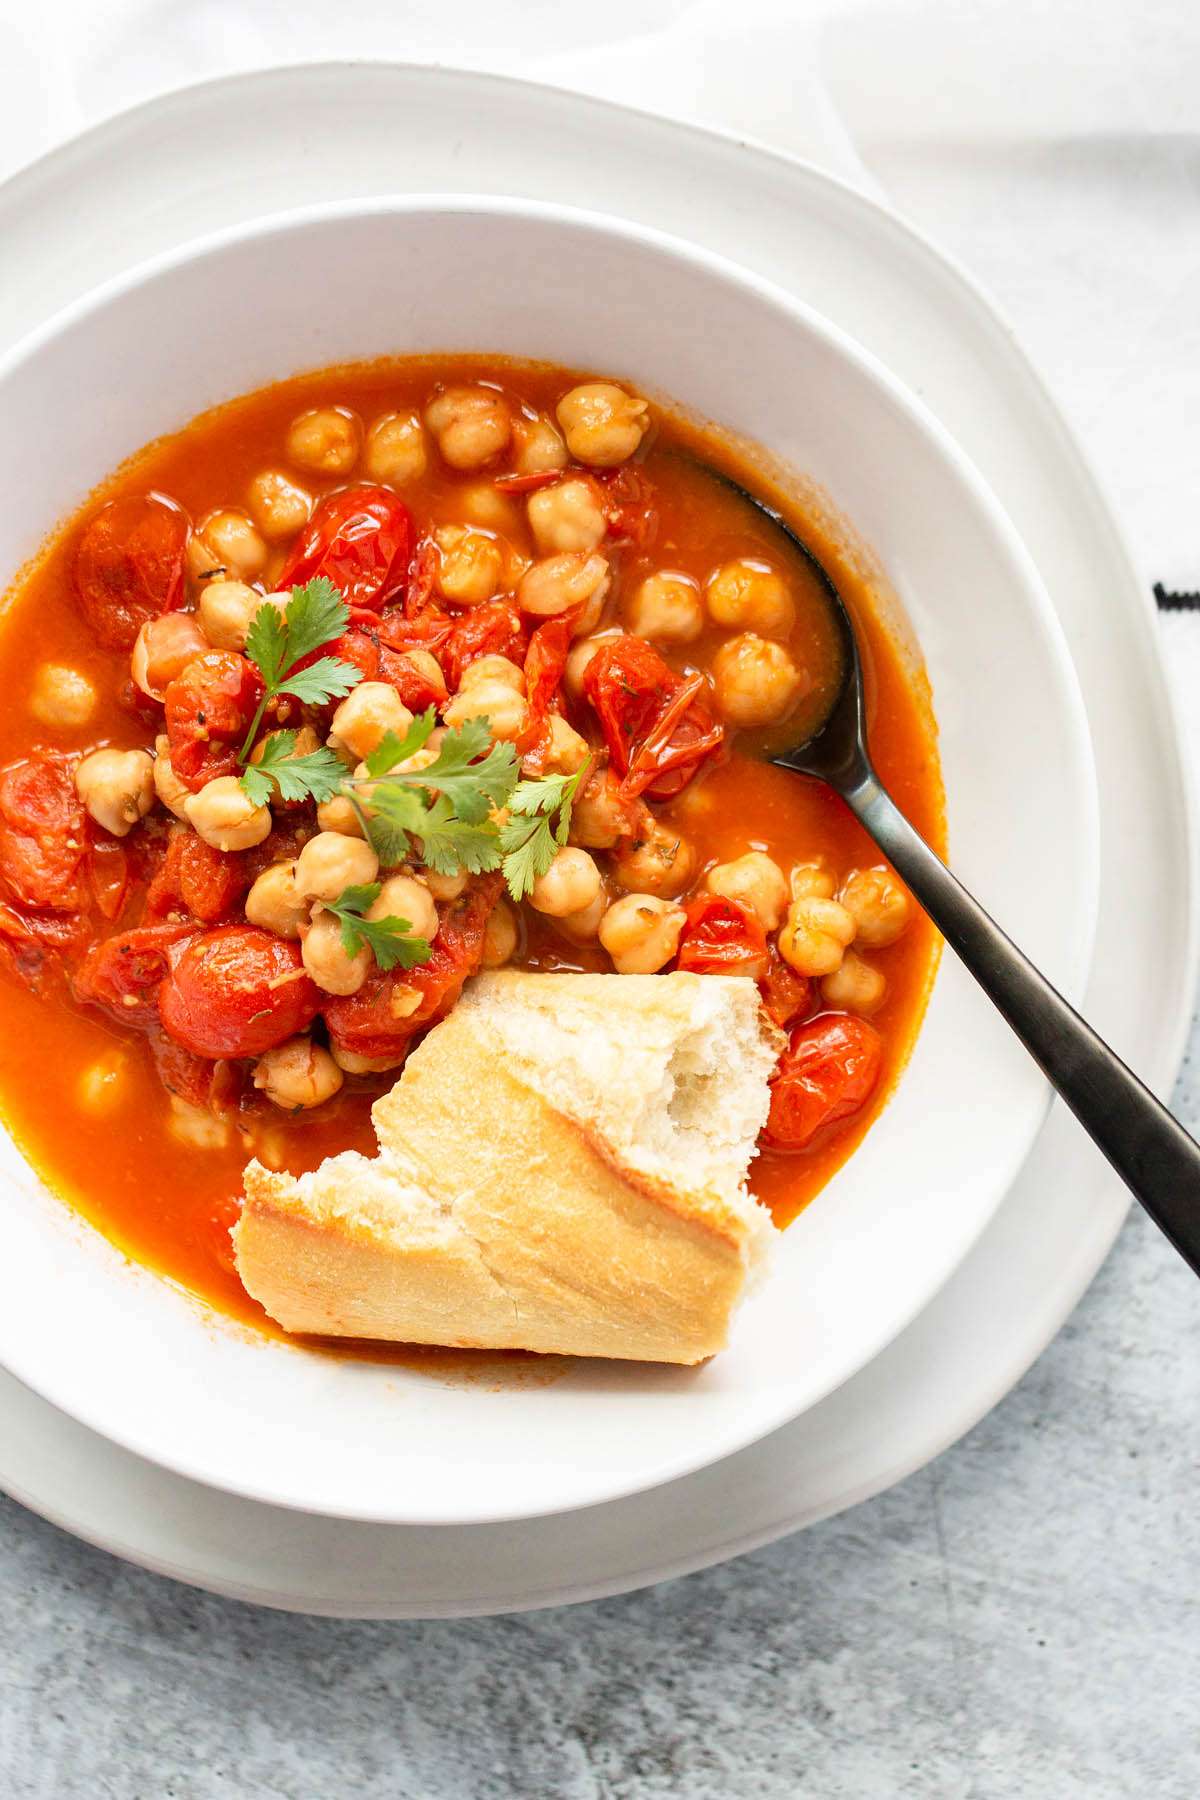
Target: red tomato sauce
x=84, y=1085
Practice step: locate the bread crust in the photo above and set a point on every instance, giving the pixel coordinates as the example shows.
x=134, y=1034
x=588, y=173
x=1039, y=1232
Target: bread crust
x=497, y=1216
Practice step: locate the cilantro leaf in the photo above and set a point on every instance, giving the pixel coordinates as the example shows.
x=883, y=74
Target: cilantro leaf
x=390, y=811
x=527, y=848
x=388, y=939
x=267, y=641
x=473, y=787
x=533, y=835
x=392, y=749
x=329, y=678
x=315, y=615
x=278, y=773
x=450, y=843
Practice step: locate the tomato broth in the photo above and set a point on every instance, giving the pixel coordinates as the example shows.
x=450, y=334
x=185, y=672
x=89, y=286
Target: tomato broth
x=147, y=1133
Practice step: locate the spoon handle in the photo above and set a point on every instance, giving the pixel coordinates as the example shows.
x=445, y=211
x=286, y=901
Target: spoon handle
x=1149, y=1149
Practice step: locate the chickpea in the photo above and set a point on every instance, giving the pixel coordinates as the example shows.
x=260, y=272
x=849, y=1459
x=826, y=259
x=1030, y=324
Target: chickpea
x=116, y=787
x=600, y=816
x=506, y=711
x=445, y=887
x=500, y=936
x=405, y=897
x=879, y=906
x=813, y=880
x=331, y=862
x=470, y=564
x=62, y=696
x=167, y=784
x=278, y=505
x=353, y=1064
x=537, y=446
x=339, y=815
x=654, y=860
x=224, y=817
x=567, y=516
x=481, y=503
x=641, y=933
x=326, y=439
x=603, y=425
x=471, y=424
x=493, y=668
x=297, y=1074
x=570, y=883
x=163, y=647
x=306, y=742
x=757, y=881
x=558, y=583
x=226, y=612
x=369, y=711
x=666, y=606
x=226, y=541
x=815, y=936
x=276, y=903
x=582, y=925
x=580, y=655
x=749, y=595
x=395, y=449
x=756, y=681
x=854, y=987
x=568, y=750
x=328, y=961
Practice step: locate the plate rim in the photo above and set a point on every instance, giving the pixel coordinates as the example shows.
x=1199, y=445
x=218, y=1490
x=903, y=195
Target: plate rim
x=1167, y=1049
x=777, y=1406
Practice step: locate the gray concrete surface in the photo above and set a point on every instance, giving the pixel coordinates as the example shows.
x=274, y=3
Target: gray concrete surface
x=1019, y=1621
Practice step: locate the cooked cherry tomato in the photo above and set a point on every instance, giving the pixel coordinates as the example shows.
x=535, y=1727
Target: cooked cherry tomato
x=657, y=731
x=205, y=882
x=527, y=484
x=129, y=566
x=43, y=834
x=365, y=1024
x=492, y=630
x=827, y=1072
x=237, y=991
x=722, y=937
x=209, y=708
x=629, y=508
x=123, y=974
x=110, y=877
x=34, y=943
x=369, y=651
x=786, y=996
x=545, y=660
x=197, y=1079
x=361, y=539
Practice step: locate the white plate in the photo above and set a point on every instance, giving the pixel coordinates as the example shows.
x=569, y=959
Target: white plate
x=378, y=1442
x=375, y=129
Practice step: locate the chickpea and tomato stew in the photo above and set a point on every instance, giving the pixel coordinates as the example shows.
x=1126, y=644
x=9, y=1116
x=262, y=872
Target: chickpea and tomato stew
x=389, y=674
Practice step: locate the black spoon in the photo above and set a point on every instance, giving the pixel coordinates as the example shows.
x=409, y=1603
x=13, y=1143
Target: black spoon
x=1150, y=1150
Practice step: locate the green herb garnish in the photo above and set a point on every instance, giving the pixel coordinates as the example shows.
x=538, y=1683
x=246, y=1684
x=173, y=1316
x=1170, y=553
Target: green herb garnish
x=388, y=939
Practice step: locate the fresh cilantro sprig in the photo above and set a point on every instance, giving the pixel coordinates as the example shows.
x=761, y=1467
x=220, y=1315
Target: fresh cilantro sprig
x=388, y=939
x=278, y=641
x=316, y=775
x=537, y=829
x=445, y=806
x=445, y=809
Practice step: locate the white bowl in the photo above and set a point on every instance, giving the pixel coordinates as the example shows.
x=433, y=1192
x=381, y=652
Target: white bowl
x=132, y=1357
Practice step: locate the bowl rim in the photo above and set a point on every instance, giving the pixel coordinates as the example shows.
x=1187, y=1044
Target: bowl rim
x=919, y=418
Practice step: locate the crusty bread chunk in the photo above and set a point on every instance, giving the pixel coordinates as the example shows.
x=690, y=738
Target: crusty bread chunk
x=561, y=1168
